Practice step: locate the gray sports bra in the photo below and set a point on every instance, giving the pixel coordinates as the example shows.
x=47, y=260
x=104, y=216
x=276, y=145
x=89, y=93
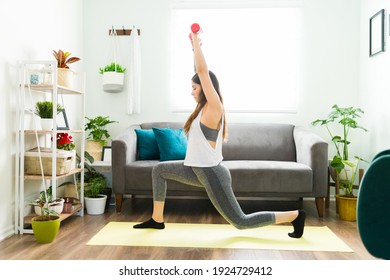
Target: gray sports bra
x=209, y=133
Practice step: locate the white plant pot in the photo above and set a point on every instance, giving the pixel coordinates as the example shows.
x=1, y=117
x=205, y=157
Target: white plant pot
x=58, y=207
x=95, y=206
x=113, y=82
x=47, y=124
x=65, y=77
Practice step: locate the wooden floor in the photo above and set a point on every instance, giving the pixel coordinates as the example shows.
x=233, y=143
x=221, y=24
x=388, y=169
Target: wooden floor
x=76, y=231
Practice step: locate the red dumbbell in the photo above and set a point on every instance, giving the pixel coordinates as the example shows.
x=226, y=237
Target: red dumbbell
x=195, y=28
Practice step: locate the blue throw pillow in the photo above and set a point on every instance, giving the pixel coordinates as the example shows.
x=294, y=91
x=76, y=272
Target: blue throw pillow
x=147, y=145
x=172, y=143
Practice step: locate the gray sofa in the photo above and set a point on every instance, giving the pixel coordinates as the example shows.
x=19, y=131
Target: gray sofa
x=265, y=160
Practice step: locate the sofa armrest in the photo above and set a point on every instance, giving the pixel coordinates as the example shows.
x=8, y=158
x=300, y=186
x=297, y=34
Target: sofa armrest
x=312, y=150
x=124, y=151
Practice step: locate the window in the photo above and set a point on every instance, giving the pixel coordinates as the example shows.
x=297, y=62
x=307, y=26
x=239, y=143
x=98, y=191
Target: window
x=255, y=53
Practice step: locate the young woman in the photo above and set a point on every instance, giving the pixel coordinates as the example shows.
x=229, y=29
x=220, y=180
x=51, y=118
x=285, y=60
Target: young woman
x=202, y=167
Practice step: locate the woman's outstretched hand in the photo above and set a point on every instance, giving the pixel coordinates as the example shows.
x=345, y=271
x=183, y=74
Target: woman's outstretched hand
x=195, y=39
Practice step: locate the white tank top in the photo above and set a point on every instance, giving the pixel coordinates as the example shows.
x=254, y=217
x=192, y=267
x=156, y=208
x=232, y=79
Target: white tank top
x=199, y=151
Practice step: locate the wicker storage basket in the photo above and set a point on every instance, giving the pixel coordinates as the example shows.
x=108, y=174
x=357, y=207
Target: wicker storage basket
x=32, y=165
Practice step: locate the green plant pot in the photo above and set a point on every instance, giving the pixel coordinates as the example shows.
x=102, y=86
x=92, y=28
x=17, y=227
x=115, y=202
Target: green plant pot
x=45, y=231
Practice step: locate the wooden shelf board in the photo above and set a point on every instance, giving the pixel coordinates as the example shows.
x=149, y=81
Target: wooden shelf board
x=63, y=216
x=48, y=177
x=48, y=88
x=40, y=131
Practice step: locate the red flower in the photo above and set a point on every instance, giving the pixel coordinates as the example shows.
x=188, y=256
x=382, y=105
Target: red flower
x=65, y=141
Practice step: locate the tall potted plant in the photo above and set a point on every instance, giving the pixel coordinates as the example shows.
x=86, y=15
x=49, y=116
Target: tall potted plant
x=46, y=225
x=65, y=75
x=97, y=135
x=113, y=77
x=343, y=168
x=44, y=109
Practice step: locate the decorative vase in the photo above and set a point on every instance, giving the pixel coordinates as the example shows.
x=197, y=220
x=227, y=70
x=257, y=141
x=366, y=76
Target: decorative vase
x=95, y=206
x=47, y=124
x=346, y=207
x=45, y=231
x=65, y=77
x=113, y=82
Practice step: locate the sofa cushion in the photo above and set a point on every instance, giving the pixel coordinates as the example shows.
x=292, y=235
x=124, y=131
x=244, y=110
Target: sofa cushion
x=147, y=145
x=259, y=141
x=270, y=176
x=172, y=143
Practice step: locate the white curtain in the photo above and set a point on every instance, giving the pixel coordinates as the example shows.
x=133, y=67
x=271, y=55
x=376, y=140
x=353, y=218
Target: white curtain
x=134, y=77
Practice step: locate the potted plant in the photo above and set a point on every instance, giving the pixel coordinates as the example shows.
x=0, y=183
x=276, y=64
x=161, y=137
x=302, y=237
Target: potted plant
x=47, y=224
x=44, y=109
x=342, y=167
x=92, y=174
x=113, y=77
x=55, y=205
x=97, y=135
x=65, y=75
x=95, y=200
x=65, y=142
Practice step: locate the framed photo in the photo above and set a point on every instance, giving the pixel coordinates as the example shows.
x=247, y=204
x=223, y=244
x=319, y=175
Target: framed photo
x=106, y=155
x=377, y=33
x=62, y=121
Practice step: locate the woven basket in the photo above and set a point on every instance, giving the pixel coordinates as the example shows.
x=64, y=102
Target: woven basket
x=65, y=77
x=95, y=149
x=32, y=164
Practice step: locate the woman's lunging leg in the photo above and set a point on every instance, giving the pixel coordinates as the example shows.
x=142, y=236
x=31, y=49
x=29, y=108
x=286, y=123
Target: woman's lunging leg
x=173, y=170
x=217, y=181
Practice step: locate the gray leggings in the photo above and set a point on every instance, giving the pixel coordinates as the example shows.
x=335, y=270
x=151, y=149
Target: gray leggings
x=217, y=182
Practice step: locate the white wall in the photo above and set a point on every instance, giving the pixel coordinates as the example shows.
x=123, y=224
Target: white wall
x=375, y=83
x=29, y=30
x=330, y=66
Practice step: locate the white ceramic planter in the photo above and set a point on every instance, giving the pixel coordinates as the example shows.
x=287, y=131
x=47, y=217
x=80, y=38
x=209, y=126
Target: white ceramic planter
x=47, y=124
x=58, y=207
x=113, y=82
x=95, y=206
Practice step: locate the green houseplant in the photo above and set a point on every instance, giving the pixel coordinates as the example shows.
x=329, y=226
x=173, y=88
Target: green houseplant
x=97, y=135
x=113, y=77
x=95, y=200
x=65, y=75
x=96, y=128
x=113, y=67
x=44, y=109
x=344, y=119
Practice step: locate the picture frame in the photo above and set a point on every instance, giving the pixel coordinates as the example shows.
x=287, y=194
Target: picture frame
x=62, y=121
x=106, y=154
x=377, y=33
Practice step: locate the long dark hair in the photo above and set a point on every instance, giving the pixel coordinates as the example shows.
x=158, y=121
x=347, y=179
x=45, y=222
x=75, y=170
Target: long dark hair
x=202, y=102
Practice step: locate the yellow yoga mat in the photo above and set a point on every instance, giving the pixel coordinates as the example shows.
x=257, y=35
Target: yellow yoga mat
x=272, y=237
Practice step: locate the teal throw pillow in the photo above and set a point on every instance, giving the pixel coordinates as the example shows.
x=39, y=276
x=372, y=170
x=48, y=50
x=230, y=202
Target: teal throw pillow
x=147, y=145
x=172, y=143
